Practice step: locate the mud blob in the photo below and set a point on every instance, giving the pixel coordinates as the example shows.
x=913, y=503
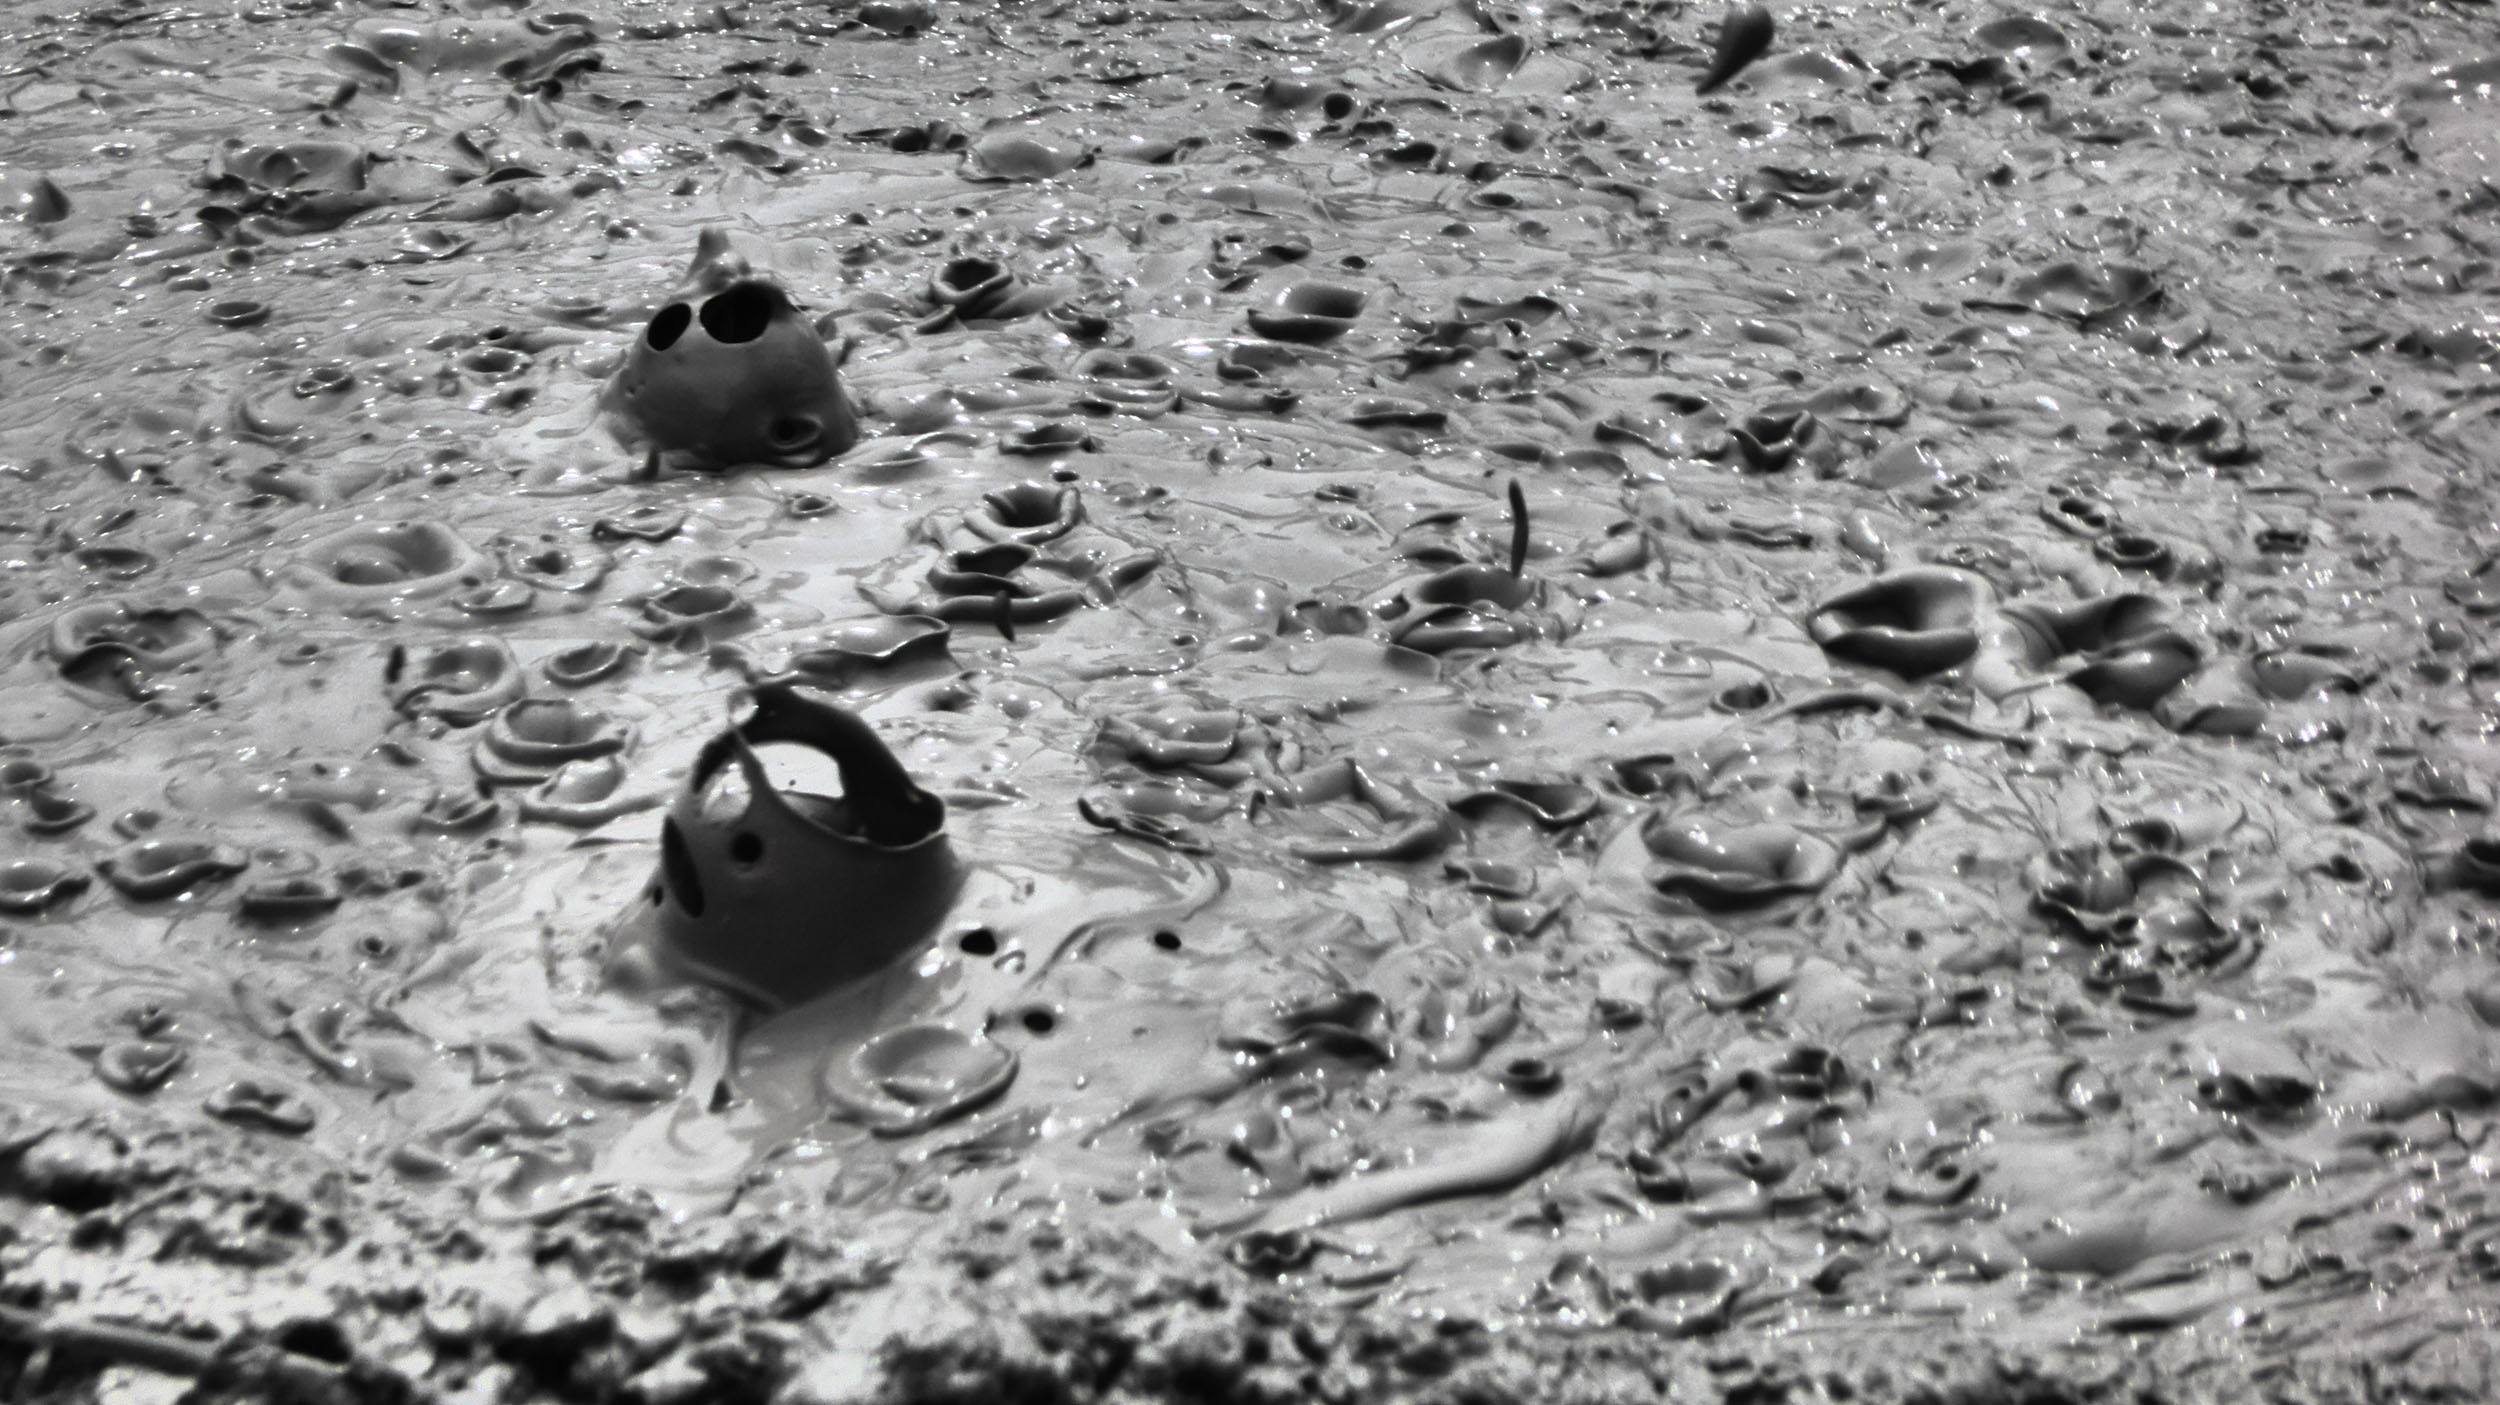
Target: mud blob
x=911, y=1078
x=1028, y=513
x=1913, y=622
x=153, y=869
x=973, y=289
x=120, y=646
x=30, y=886
x=1310, y=313
x=780, y=895
x=368, y=567
x=1745, y=35
x=584, y=794
x=2131, y=656
x=587, y=663
x=531, y=739
x=1008, y=158
x=462, y=681
x=871, y=647
x=730, y=373
x=1721, y=866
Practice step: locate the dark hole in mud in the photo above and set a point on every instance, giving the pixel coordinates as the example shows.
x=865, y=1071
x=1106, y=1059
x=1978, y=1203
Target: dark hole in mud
x=968, y=273
x=677, y=870
x=80, y=1191
x=747, y=847
x=742, y=313
x=671, y=324
x=1168, y=940
x=1040, y=1021
x=1745, y=697
x=980, y=941
x=998, y=559
x=1898, y=610
x=313, y=1337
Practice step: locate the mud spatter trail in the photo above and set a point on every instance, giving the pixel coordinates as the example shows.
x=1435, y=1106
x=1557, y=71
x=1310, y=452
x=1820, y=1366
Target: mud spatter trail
x=1828, y=739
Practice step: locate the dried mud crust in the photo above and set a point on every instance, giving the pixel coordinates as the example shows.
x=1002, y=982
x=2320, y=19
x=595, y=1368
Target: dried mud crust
x=1832, y=742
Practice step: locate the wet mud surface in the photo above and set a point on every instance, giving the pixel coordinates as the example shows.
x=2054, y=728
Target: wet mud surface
x=1828, y=739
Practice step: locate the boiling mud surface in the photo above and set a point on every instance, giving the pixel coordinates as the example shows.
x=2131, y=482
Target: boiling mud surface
x=1860, y=702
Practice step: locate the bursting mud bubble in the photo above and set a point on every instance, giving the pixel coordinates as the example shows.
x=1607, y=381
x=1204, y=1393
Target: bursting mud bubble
x=1828, y=739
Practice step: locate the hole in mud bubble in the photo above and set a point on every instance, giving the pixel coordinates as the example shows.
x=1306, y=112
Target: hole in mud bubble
x=968, y=274
x=1530, y=1074
x=330, y=379
x=742, y=313
x=1040, y=1021
x=668, y=326
x=791, y=430
x=1064, y=475
x=677, y=870
x=1168, y=940
x=1744, y=697
x=494, y=361
x=320, y=1340
x=238, y=312
x=747, y=847
x=23, y=773
x=980, y=941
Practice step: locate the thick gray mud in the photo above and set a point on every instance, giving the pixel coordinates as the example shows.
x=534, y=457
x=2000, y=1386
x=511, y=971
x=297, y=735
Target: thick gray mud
x=1828, y=739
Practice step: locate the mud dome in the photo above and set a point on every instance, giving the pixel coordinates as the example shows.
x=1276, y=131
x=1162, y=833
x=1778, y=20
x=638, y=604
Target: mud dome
x=1828, y=741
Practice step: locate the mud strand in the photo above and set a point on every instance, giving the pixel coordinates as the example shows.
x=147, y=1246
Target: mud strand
x=1257, y=700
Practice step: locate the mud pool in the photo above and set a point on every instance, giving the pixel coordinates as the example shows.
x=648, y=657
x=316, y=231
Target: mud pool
x=1821, y=740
